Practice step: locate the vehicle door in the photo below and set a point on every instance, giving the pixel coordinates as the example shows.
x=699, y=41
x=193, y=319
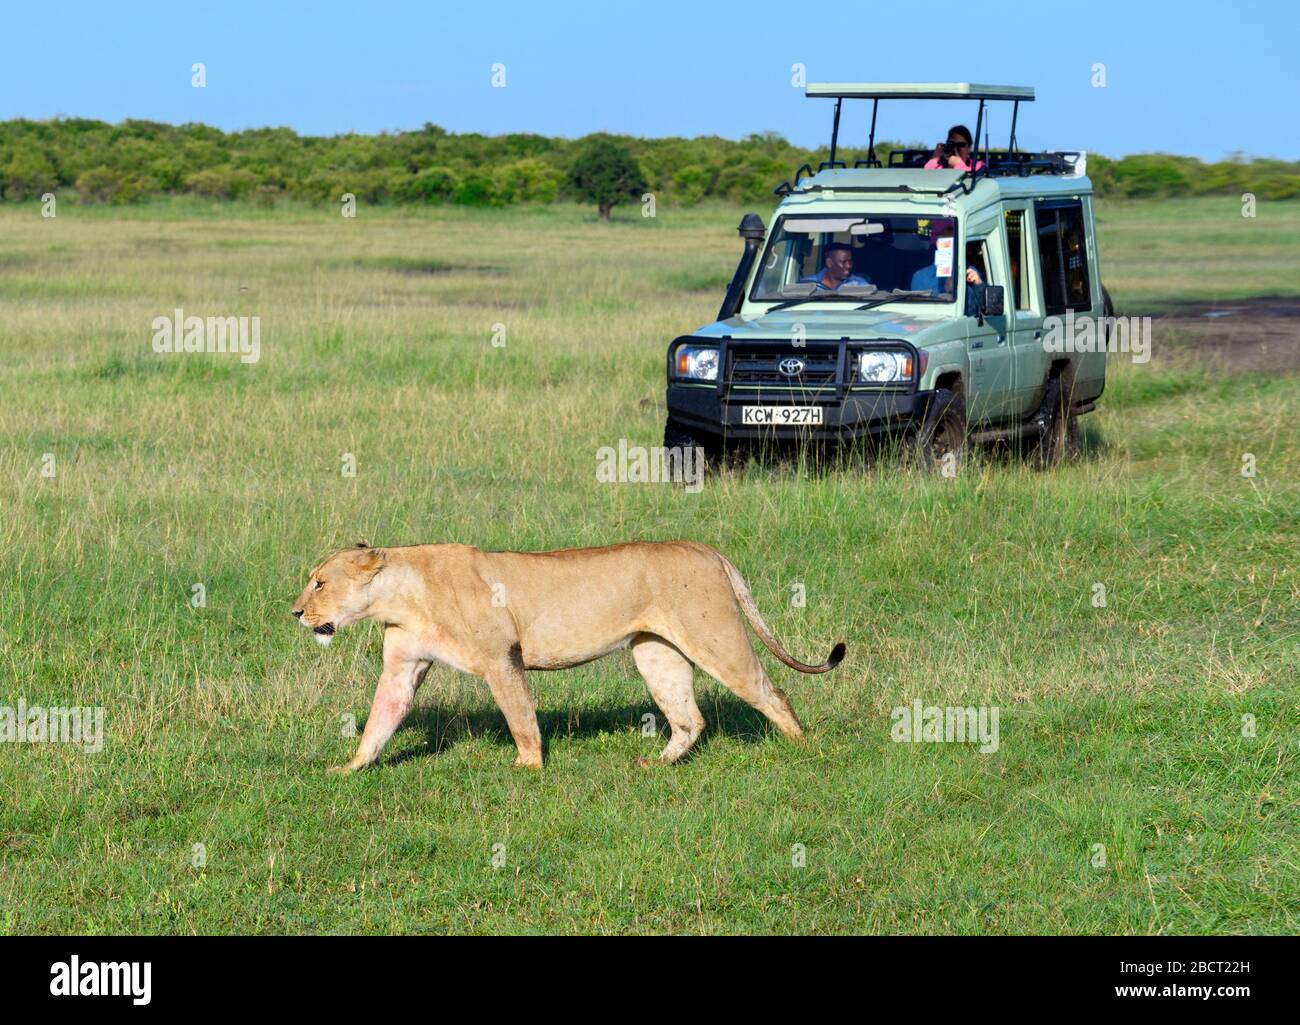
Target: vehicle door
x=987, y=341
x=1024, y=303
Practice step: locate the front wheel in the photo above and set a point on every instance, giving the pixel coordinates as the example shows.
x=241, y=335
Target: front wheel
x=686, y=451
x=941, y=438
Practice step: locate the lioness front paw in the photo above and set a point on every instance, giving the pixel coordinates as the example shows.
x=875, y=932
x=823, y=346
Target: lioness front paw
x=339, y=770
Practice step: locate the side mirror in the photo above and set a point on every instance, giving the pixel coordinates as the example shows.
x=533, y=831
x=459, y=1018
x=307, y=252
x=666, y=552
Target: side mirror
x=992, y=301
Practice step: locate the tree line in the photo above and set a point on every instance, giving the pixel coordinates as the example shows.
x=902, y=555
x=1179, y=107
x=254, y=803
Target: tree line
x=95, y=162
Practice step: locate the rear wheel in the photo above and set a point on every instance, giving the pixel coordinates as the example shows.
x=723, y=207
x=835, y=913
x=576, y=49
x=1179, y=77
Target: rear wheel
x=942, y=437
x=1060, y=438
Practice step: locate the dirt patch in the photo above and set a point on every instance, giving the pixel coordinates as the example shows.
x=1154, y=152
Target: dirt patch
x=1255, y=335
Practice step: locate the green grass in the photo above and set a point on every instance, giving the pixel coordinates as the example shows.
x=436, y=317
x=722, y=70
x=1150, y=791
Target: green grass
x=1120, y=726
x=1197, y=250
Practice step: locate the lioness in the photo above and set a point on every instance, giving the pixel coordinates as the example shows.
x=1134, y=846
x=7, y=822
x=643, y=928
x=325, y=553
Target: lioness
x=496, y=614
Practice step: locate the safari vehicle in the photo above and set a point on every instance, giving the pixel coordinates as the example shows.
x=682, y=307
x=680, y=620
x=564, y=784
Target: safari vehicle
x=905, y=345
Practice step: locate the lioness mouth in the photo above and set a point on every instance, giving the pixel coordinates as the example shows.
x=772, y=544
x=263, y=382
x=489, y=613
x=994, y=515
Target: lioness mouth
x=324, y=629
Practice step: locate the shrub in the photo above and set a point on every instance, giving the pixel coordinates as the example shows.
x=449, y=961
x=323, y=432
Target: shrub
x=434, y=185
x=106, y=185
x=475, y=189
x=527, y=181
x=27, y=175
x=691, y=184
x=221, y=182
x=1151, y=174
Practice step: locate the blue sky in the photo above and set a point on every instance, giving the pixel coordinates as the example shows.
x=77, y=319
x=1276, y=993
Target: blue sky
x=1196, y=77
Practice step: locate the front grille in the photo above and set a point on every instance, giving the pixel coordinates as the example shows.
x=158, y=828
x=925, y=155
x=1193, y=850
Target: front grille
x=759, y=367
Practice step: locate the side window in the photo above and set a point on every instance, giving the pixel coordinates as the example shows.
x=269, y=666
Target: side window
x=977, y=256
x=775, y=271
x=1063, y=255
x=977, y=259
x=1018, y=251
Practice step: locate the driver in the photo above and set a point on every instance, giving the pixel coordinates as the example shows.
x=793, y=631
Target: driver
x=837, y=269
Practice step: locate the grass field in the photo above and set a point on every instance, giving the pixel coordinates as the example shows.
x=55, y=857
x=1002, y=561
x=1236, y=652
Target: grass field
x=1120, y=726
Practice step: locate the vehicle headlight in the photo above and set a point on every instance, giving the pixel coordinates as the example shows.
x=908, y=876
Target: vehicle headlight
x=698, y=362
x=884, y=367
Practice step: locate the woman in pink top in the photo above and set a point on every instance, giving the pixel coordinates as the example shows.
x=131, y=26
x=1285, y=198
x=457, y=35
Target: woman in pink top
x=959, y=141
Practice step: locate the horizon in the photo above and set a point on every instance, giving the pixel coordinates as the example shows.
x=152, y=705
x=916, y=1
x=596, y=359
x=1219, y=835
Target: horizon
x=666, y=71
x=849, y=145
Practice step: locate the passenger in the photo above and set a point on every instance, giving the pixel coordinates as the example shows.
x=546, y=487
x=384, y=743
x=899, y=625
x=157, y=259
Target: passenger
x=959, y=141
x=837, y=259
x=927, y=278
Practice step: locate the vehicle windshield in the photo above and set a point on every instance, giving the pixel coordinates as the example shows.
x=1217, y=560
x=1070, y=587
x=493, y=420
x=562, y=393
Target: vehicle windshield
x=863, y=257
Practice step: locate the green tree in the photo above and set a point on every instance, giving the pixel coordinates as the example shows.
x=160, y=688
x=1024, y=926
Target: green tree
x=604, y=172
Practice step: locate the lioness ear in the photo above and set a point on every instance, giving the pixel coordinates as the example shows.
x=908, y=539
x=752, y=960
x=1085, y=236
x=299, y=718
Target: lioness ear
x=369, y=560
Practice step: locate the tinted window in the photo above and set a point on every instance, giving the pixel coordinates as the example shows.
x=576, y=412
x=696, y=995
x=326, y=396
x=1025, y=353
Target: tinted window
x=1063, y=256
x=1018, y=249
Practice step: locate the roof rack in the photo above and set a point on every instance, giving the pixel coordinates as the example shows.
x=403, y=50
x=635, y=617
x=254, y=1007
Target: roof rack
x=1023, y=163
x=1004, y=163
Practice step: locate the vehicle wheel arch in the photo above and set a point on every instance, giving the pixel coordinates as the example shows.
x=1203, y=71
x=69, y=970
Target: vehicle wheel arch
x=950, y=378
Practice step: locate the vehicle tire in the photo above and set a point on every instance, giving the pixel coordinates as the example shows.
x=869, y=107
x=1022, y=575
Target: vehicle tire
x=1060, y=438
x=676, y=436
x=942, y=431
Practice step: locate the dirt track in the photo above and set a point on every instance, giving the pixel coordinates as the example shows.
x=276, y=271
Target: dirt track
x=1257, y=335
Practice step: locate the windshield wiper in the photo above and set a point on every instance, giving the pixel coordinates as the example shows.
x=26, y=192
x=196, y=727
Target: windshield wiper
x=815, y=297
x=897, y=293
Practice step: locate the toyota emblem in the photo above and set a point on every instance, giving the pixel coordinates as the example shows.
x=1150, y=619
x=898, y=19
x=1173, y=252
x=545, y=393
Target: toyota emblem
x=790, y=366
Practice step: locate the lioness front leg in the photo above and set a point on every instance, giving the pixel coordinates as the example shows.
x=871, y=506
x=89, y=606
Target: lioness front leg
x=509, y=686
x=393, y=699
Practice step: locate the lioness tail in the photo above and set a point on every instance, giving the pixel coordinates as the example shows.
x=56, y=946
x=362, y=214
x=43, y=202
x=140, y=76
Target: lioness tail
x=765, y=634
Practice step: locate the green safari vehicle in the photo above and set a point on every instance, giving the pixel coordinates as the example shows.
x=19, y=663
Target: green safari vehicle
x=901, y=300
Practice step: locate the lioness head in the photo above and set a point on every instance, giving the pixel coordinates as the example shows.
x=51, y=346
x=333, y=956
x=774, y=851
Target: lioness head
x=338, y=590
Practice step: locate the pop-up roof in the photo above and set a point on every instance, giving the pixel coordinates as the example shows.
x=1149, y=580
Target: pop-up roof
x=877, y=91
x=919, y=91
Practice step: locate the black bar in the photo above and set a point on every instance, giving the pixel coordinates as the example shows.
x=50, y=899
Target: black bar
x=337, y=975
x=835, y=129
x=871, y=140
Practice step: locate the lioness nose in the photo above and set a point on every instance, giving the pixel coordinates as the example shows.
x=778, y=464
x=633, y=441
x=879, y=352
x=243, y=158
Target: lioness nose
x=297, y=613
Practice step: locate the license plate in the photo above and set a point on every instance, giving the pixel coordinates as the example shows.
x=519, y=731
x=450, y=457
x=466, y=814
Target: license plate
x=780, y=416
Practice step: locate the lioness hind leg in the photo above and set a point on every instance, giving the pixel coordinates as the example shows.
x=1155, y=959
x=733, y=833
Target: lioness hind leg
x=728, y=657
x=668, y=673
